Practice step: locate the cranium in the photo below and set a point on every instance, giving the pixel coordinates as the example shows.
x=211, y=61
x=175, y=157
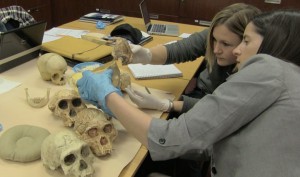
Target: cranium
x=64, y=150
x=93, y=127
x=122, y=51
x=66, y=104
x=52, y=67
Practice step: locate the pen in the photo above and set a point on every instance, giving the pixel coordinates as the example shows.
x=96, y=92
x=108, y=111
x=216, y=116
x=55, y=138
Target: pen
x=147, y=90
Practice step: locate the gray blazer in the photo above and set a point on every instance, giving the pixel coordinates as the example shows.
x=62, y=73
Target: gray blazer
x=252, y=121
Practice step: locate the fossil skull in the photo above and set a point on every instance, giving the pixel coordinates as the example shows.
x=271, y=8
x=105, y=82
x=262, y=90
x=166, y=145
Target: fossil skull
x=64, y=150
x=125, y=80
x=122, y=50
x=93, y=127
x=52, y=67
x=66, y=104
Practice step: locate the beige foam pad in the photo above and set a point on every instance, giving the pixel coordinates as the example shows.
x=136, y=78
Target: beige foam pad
x=22, y=143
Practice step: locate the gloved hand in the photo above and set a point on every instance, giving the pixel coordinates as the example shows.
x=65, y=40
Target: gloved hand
x=145, y=100
x=94, y=87
x=140, y=54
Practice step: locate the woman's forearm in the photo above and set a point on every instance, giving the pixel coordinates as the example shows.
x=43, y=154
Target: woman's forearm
x=177, y=106
x=159, y=54
x=135, y=121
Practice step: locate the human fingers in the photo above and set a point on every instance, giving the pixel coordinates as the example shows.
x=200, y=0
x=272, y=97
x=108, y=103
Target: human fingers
x=131, y=93
x=108, y=71
x=141, y=94
x=135, y=48
x=82, y=81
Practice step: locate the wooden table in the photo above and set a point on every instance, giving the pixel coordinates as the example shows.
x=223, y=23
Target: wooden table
x=174, y=85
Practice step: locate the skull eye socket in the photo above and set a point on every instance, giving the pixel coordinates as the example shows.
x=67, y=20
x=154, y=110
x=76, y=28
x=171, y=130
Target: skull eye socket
x=55, y=76
x=93, y=132
x=107, y=128
x=85, y=151
x=63, y=104
x=69, y=159
x=76, y=102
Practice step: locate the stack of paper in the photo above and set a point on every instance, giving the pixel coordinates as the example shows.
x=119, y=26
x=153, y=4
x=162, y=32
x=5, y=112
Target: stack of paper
x=140, y=71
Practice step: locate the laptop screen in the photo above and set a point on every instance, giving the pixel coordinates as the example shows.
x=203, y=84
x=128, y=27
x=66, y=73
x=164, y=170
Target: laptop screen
x=144, y=12
x=21, y=39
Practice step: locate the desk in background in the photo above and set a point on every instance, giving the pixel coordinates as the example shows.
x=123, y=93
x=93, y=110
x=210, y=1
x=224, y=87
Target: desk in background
x=174, y=85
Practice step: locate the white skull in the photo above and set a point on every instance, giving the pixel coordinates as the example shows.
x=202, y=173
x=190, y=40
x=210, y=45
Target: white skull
x=66, y=104
x=92, y=126
x=64, y=150
x=52, y=67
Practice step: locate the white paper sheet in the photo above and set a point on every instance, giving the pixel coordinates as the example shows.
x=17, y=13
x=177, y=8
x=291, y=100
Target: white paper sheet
x=7, y=85
x=185, y=35
x=56, y=33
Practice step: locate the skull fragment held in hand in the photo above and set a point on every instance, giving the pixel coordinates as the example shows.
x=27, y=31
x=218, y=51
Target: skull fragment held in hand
x=52, y=68
x=122, y=51
x=65, y=151
x=66, y=104
x=125, y=81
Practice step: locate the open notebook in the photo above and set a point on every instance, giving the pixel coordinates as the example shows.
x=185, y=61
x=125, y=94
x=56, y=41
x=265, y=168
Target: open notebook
x=140, y=71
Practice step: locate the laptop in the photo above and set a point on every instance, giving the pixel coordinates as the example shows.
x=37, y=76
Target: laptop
x=158, y=29
x=20, y=45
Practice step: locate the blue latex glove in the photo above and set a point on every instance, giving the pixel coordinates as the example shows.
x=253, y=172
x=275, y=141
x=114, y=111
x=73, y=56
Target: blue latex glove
x=94, y=87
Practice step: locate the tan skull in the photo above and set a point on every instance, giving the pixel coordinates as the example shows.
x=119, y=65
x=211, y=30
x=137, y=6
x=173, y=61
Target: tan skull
x=66, y=104
x=125, y=81
x=52, y=67
x=122, y=51
x=92, y=126
x=64, y=150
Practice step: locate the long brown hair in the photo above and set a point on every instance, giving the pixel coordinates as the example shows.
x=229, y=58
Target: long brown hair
x=280, y=31
x=235, y=17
